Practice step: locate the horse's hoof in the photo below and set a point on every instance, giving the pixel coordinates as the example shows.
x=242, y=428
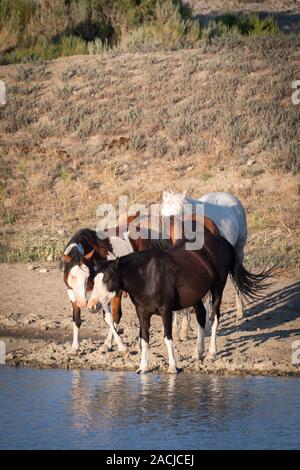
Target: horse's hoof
x=239, y=315
x=125, y=352
x=107, y=348
x=123, y=349
x=184, y=334
x=173, y=370
x=73, y=352
x=141, y=371
x=212, y=357
x=198, y=356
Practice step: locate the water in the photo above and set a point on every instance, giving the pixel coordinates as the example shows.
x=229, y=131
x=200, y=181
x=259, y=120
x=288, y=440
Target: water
x=58, y=409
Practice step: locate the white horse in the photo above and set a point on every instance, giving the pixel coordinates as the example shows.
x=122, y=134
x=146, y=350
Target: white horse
x=224, y=209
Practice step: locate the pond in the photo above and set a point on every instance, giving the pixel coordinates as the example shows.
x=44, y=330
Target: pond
x=62, y=409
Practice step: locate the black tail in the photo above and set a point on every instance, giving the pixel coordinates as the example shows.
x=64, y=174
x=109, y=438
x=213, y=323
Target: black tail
x=250, y=285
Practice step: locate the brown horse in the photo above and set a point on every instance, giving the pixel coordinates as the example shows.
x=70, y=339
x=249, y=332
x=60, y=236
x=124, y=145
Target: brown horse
x=144, y=233
x=83, y=253
x=81, y=257
x=159, y=282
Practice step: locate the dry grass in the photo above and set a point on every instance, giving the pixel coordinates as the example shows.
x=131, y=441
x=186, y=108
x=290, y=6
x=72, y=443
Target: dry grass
x=80, y=131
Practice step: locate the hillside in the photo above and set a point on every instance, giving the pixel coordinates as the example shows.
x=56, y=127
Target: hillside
x=83, y=130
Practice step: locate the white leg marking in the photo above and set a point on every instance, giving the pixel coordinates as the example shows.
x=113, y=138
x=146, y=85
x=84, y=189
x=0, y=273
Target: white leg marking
x=109, y=340
x=213, y=342
x=200, y=348
x=144, y=357
x=172, y=363
x=75, y=344
x=71, y=295
x=185, y=325
x=174, y=325
x=208, y=308
x=109, y=320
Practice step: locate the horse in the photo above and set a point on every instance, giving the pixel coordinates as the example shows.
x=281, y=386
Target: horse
x=82, y=255
x=224, y=209
x=159, y=282
x=143, y=233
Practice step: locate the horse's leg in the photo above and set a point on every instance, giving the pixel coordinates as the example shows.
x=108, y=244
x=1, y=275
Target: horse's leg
x=208, y=307
x=76, y=327
x=117, y=308
x=185, y=324
x=108, y=343
x=201, y=320
x=239, y=306
x=240, y=310
x=217, y=292
x=144, y=341
x=116, y=314
x=109, y=320
x=166, y=314
x=175, y=325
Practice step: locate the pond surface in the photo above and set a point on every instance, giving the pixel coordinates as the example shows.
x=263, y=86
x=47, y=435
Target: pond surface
x=61, y=409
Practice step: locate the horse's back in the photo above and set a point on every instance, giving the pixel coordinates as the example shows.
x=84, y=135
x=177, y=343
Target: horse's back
x=227, y=213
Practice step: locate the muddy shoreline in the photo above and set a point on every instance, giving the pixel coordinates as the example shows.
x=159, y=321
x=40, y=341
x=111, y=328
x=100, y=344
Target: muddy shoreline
x=36, y=326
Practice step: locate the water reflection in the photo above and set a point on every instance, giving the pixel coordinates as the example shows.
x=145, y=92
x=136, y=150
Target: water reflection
x=121, y=398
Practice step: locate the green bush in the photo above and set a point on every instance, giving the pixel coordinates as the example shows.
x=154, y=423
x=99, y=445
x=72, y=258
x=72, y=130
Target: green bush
x=31, y=31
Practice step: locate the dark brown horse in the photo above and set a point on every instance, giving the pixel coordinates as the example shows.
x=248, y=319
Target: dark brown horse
x=159, y=282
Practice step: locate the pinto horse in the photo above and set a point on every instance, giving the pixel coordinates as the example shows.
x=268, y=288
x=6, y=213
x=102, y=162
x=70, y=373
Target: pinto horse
x=159, y=282
x=224, y=209
x=81, y=257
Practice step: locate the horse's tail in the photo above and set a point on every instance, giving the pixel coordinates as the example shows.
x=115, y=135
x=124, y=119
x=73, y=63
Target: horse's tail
x=250, y=285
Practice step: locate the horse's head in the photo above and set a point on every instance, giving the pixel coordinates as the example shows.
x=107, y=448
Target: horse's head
x=106, y=285
x=172, y=204
x=77, y=268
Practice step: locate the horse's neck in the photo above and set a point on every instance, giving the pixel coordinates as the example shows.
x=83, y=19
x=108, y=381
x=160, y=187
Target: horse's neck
x=124, y=271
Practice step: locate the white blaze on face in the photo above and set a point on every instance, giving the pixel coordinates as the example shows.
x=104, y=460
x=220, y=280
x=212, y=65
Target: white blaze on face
x=100, y=292
x=172, y=204
x=77, y=280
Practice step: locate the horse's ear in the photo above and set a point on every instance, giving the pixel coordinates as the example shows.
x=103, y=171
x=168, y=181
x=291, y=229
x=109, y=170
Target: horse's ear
x=66, y=258
x=165, y=195
x=89, y=255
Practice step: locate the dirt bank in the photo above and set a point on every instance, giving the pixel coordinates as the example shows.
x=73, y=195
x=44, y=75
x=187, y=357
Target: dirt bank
x=35, y=323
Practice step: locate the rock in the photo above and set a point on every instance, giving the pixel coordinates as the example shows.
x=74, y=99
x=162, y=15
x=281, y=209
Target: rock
x=250, y=162
x=43, y=270
x=61, y=232
x=30, y=267
x=50, y=257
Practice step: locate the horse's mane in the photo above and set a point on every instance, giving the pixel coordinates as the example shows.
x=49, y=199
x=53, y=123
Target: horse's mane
x=155, y=229
x=89, y=239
